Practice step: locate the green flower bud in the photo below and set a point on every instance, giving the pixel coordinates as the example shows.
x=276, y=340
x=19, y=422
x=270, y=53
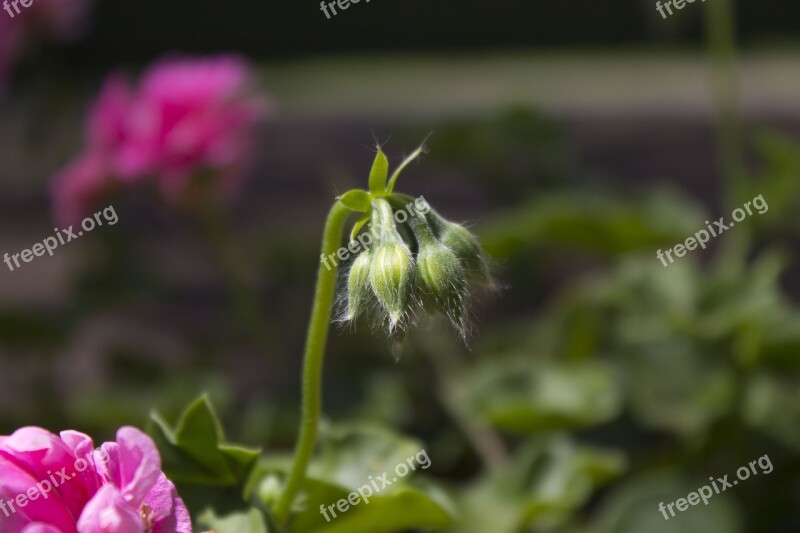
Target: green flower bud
x=465, y=245
x=442, y=278
x=358, y=288
x=391, y=273
x=391, y=276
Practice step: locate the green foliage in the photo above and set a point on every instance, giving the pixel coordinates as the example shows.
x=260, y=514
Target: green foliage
x=379, y=173
x=195, y=451
x=356, y=200
x=525, y=396
x=548, y=480
x=772, y=405
x=349, y=458
x=780, y=157
x=633, y=508
x=251, y=521
x=599, y=222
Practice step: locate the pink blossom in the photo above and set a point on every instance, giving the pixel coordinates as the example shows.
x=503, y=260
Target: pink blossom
x=187, y=120
x=192, y=116
x=71, y=488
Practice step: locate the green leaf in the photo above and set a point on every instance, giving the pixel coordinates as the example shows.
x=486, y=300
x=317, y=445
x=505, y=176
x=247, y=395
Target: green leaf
x=357, y=227
x=699, y=391
x=378, y=174
x=194, y=451
x=356, y=200
x=251, y=521
x=403, y=165
x=351, y=458
x=633, y=508
x=525, y=396
x=542, y=487
x=771, y=405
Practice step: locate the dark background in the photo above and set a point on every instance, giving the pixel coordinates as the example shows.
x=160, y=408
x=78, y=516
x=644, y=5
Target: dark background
x=135, y=31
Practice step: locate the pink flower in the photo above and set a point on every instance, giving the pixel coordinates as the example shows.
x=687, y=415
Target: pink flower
x=192, y=116
x=52, y=484
x=188, y=120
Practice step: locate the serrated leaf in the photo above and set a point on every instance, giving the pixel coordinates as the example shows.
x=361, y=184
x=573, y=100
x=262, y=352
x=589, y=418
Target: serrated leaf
x=356, y=200
x=194, y=452
x=379, y=173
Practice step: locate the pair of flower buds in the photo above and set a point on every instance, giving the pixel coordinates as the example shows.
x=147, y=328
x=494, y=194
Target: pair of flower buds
x=423, y=263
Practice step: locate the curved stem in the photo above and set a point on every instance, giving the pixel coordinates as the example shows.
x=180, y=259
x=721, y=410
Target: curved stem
x=313, y=360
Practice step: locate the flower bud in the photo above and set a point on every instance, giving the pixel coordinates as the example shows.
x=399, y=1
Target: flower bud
x=358, y=289
x=442, y=278
x=391, y=277
x=466, y=247
x=391, y=273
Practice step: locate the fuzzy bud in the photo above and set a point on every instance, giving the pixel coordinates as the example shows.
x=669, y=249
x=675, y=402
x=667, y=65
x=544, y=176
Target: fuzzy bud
x=466, y=247
x=358, y=285
x=391, y=277
x=391, y=272
x=442, y=278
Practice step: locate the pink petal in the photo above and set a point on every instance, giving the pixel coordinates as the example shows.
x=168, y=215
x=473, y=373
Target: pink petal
x=108, y=512
x=139, y=464
x=40, y=527
x=47, y=507
x=82, y=447
x=46, y=457
x=108, y=116
x=169, y=511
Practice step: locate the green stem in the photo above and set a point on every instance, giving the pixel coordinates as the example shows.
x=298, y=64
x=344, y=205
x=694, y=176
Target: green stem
x=313, y=362
x=725, y=90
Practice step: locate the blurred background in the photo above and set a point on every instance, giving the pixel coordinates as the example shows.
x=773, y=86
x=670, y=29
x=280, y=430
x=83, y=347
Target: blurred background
x=575, y=139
